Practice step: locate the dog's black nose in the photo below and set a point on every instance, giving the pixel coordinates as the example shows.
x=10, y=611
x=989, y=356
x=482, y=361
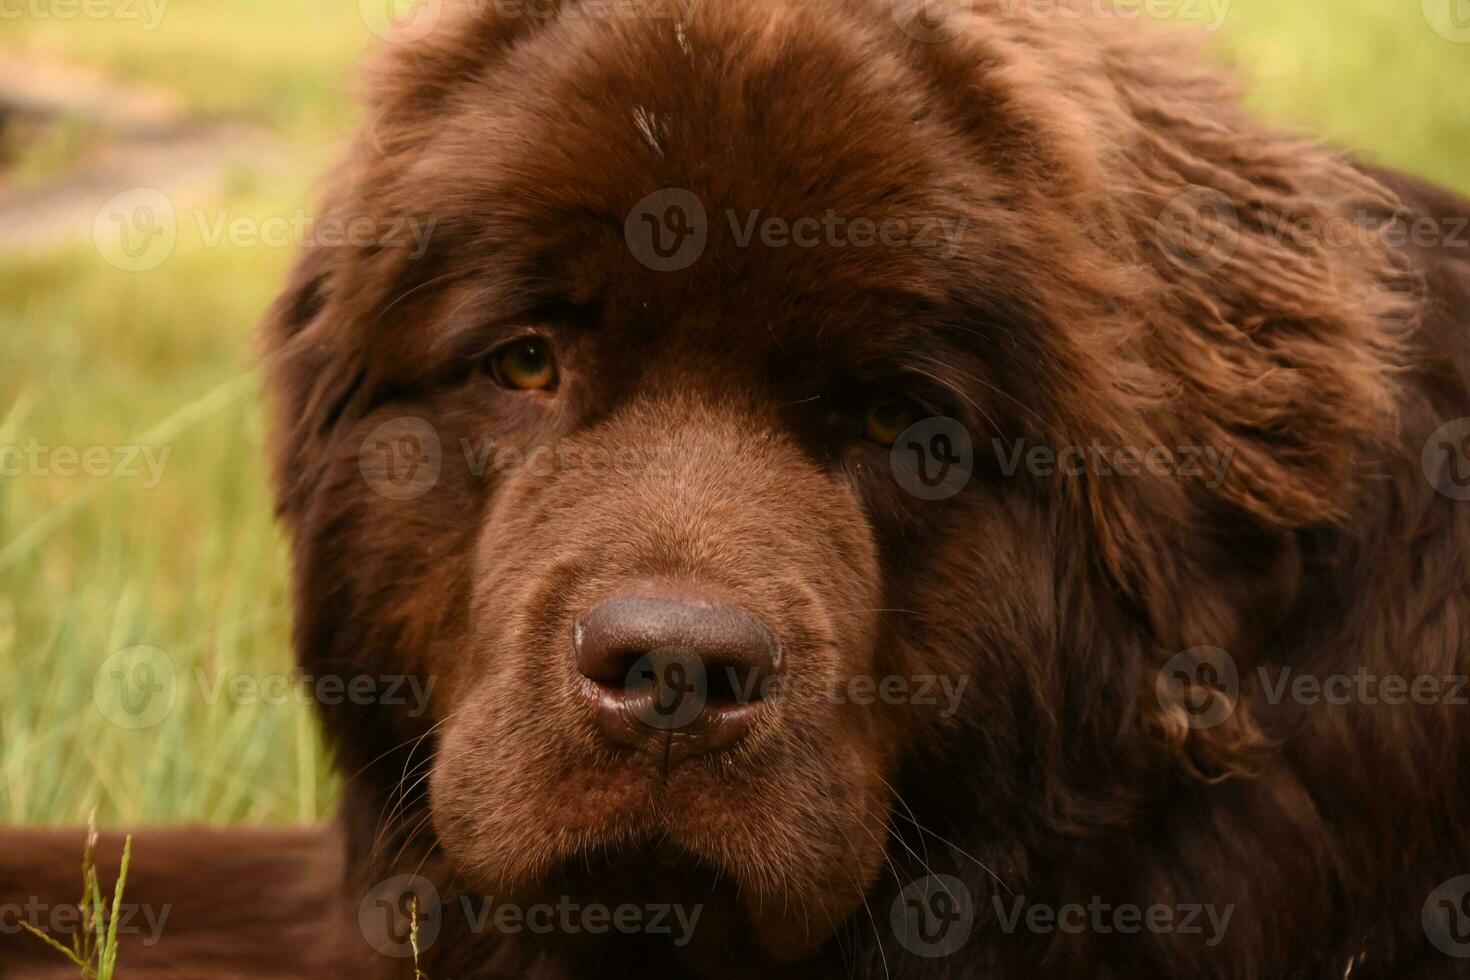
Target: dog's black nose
x=678, y=677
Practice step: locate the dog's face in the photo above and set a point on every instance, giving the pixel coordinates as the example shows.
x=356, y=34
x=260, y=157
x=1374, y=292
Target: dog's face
x=621, y=466
x=662, y=566
x=686, y=482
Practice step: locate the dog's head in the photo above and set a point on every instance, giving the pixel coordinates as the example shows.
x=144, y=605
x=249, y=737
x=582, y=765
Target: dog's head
x=672, y=412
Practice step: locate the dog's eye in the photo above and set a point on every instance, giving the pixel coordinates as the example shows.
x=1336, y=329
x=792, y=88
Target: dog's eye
x=525, y=364
x=887, y=417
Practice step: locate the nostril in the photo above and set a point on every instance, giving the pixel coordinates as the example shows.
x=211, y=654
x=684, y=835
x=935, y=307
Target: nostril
x=731, y=684
x=610, y=668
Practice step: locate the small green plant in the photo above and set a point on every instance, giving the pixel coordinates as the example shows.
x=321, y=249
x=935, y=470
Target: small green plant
x=94, y=947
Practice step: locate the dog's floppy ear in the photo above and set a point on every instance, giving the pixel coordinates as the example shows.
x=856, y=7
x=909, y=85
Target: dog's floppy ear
x=309, y=374
x=411, y=80
x=1269, y=317
x=1208, y=285
x=336, y=300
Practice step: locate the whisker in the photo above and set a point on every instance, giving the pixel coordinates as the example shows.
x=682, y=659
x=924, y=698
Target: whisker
x=955, y=389
x=998, y=390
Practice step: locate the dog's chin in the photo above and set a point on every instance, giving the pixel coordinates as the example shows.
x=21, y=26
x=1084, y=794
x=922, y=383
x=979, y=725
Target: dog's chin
x=750, y=895
x=737, y=911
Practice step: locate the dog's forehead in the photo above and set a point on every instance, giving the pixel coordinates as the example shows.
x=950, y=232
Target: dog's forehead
x=746, y=162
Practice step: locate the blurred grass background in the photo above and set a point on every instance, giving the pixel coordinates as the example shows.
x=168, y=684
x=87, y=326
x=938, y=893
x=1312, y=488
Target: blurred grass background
x=91, y=355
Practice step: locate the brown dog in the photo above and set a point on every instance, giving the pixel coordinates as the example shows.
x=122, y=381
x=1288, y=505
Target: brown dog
x=882, y=490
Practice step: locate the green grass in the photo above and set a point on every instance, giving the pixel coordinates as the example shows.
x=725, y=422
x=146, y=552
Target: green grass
x=90, y=565
x=91, y=356
x=93, y=950
x=1371, y=76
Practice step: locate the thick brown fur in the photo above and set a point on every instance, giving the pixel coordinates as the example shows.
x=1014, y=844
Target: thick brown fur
x=227, y=904
x=1073, y=312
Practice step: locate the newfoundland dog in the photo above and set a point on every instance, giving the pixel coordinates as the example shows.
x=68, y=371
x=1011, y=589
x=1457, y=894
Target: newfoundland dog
x=865, y=489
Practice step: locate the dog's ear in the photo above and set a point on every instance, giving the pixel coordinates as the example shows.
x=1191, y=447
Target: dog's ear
x=410, y=81
x=1236, y=289
x=1267, y=319
x=288, y=375
x=339, y=295
x=1208, y=287
x=355, y=290
x=309, y=374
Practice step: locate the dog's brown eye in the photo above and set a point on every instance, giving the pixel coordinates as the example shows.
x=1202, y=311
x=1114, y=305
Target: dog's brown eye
x=525, y=364
x=887, y=417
